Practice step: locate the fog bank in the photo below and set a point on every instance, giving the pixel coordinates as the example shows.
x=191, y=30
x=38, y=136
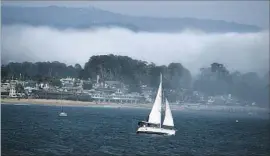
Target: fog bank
x=194, y=49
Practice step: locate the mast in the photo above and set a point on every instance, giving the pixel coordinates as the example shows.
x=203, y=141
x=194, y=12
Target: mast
x=161, y=97
x=61, y=102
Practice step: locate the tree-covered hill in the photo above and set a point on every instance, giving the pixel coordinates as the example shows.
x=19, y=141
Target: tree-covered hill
x=217, y=80
x=38, y=70
x=213, y=80
x=91, y=17
x=109, y=67
x=135, y=72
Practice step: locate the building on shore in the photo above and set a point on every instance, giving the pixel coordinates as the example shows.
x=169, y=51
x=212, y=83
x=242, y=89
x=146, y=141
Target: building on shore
x=5, y=87
x=12, y=92
x=42, y=94
x=117, y=98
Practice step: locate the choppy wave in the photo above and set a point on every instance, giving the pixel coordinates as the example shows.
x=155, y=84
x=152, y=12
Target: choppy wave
x=37, y=130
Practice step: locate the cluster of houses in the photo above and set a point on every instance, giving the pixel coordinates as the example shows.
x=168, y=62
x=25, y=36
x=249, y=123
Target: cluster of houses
x=102, y=91
x=8, y=89
x=72, y=89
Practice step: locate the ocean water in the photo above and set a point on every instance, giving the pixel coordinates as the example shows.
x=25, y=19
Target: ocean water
x=38, y=130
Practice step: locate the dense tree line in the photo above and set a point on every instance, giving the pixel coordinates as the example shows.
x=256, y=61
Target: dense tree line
x=39, y=71
x=135, y=72
x=213, y=80
x=109, y=67
x=217, y=80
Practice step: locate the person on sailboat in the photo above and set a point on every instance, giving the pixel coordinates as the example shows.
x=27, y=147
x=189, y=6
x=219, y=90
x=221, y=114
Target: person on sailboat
x=147, y=118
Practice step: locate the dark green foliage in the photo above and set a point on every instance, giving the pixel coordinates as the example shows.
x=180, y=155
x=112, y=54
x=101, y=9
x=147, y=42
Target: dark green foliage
x=87, y=86
x=135, y=72
x=55, y=82
x=217, y=80
x=39, y=71
x=78, y=67
x=214, y=80
x=109, y=67
x=19, y=88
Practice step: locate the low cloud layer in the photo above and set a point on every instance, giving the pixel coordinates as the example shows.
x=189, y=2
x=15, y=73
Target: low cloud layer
x=194, y=49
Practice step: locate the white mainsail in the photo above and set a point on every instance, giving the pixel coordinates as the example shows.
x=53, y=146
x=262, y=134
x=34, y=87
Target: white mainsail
x=168, y=119
x=155, y=114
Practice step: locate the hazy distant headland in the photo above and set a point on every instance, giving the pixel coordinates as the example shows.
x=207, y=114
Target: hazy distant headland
x=63, y=17
x=49, y=33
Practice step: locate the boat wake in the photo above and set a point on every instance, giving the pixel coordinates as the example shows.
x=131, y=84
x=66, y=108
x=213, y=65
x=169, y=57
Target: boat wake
x=21, y=104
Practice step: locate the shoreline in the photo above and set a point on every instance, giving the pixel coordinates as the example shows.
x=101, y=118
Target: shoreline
x=55, y=102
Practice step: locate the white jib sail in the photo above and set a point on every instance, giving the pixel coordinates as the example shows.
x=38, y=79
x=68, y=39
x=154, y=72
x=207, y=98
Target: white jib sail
x=168, y=119
x=155, y=114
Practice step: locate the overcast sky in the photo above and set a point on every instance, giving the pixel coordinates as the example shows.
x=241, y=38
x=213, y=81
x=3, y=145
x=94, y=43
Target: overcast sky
x=246, y=12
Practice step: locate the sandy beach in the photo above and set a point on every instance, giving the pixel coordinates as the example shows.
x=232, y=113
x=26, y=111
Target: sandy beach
x=55, y=102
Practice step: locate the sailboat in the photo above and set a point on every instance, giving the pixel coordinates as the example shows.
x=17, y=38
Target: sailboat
x=62, y=112
x=153, y=124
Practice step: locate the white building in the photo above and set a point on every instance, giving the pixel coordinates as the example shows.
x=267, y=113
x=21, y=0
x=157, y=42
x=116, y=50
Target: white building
x=12, y=92
x=67, y=82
